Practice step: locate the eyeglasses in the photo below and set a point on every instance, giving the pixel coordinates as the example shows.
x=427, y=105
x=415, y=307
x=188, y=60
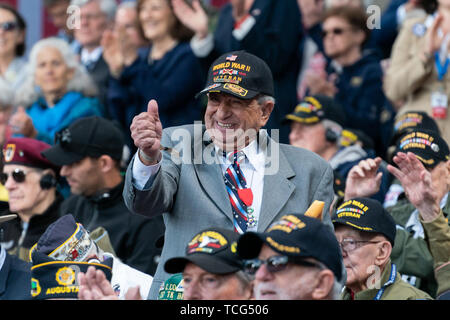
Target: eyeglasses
x=348, y=245
x=8, y=26
x=18, y=176
x=335, y=31
x=275, y=264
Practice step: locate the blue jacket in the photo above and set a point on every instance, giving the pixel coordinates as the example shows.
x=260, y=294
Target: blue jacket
x=360, y=93
x=15, y=279
x=72, y=106
x=275, y=38
x=173, y=81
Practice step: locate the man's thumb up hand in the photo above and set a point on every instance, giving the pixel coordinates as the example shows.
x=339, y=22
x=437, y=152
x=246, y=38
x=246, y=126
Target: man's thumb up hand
x=146, y=131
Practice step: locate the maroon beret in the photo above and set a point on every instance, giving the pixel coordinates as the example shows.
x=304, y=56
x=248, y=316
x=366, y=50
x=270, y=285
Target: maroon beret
x=27, y=152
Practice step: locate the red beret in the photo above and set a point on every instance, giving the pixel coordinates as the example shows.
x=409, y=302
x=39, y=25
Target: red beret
x=27, y=152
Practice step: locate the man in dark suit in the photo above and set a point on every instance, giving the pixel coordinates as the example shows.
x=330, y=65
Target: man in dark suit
x=96, y=16
x=227, y=173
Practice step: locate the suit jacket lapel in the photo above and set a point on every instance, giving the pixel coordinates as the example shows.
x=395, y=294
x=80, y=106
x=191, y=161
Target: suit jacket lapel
x=210, y=177
x=274, y=199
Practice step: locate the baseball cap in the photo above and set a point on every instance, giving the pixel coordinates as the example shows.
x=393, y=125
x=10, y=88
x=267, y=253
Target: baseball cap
x=410, y=121
x=7, y=217
x=51, y=279
x=86, y=137
x=27, y=152
x=240, y=74
x=350, y=136
x=297, y=237
x=315, y=108
x=65, y=240
x=428, y=146
x=213, y=250
x=367, y=215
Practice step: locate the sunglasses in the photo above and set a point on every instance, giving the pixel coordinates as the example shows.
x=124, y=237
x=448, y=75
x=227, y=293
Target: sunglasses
x=8, y=26
x=335, y=31
x=275, y=264
x=18, y=176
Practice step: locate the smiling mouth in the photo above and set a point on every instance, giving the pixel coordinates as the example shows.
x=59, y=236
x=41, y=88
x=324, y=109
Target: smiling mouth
x=224, y=125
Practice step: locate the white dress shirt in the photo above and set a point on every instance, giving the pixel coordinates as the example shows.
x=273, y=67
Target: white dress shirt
x=253, y=170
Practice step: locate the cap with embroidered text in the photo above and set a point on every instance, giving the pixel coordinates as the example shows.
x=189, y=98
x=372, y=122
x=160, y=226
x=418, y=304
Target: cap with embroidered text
x=213, y=250
x=298, y=237
x=240, y=74
x=367, y=215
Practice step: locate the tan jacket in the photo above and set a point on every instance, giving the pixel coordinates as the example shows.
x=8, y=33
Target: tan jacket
x=438, y=238
x=408, y=80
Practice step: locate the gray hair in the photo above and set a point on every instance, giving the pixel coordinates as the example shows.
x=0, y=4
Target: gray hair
x=265, y=98
x=81, y=81
x=127, y=5
x=6, y=95
x=108, y=7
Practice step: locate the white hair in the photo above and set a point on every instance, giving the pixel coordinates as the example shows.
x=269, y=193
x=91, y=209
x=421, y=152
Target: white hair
x=6, y=95
x=108, y=7
x=80, y=82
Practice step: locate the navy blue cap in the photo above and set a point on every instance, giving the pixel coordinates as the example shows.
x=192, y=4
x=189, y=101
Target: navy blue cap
x=367, y=215
x=213, y=250
x=51, y=279
x=296, y=236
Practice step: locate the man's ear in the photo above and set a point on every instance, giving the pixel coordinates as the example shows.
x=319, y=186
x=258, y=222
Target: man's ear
x=266, y=108
x=106, y=163
x=324, y=285
x=383, y=253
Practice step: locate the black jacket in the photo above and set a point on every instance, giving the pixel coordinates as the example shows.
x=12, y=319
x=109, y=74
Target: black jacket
x=132, y=236
x=12, y=230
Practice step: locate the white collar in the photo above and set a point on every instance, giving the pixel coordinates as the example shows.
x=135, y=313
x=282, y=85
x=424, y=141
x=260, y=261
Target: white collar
x=92, y=56
x=254, y=155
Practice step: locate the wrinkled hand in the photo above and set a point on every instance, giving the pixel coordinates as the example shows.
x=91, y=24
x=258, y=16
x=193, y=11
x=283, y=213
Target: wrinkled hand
x=363, y=179
x=195, y=17
x=21, y=123
x=95, y=286
x=417, y=183
x=146, y=131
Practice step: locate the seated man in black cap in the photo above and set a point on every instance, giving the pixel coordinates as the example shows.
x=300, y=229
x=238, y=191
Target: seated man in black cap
x=67, y=240
x=411, y=249
x=211, y=270
x=15, y=276
x=316, y=125
x=89, y=153
x=297, y=258
x=31, y=181
x=366, y=234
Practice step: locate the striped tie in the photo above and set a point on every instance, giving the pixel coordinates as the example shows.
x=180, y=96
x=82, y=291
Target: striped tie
x=241, y=197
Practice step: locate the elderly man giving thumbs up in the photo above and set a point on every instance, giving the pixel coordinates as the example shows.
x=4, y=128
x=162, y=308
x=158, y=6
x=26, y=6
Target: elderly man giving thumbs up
x=227, y=173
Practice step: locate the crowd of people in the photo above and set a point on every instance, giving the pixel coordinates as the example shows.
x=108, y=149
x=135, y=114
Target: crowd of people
x=226, y=150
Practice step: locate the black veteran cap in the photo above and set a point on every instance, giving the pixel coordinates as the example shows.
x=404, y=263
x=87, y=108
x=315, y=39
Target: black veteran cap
x=51, y=279
x=350, y=136
x=411, y=121
x=297, y=237
x=213, y=250
x=427, y=146
x=87, y=137
x=315, y=108
x=366, y=215
x=240, y=74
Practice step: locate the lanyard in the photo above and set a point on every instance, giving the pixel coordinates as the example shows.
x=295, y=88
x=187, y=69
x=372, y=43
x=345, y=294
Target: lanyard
x=388, y=283
x=441, y=69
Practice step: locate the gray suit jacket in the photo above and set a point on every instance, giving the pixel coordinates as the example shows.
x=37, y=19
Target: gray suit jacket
x=192, y=196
